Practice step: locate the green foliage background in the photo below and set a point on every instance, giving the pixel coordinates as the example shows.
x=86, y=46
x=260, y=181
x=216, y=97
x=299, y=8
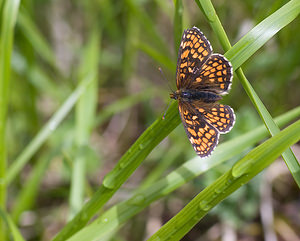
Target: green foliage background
x=82, y=134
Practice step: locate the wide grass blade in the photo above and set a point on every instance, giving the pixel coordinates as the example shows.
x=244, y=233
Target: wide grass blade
x=242, y=172
x=112, y=219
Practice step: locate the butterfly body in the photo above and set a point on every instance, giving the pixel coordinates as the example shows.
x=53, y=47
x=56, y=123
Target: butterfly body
x=192, y=95
x=202, y=77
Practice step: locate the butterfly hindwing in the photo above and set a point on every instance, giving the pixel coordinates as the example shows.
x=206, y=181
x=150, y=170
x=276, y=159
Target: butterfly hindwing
x=203, y=136
x=220, y=116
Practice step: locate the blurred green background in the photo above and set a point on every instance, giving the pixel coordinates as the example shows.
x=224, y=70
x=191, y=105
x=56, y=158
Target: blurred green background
x=123, y=43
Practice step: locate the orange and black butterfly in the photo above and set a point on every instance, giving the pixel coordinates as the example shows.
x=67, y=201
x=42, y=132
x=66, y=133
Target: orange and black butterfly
x=202, y=77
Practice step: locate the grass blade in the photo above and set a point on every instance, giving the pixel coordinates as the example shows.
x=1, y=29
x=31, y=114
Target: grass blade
x=15, y=233
x=42, y=136
x=9, y=17
x=242, y=172
x=112, y=219
x=260, y=34
x=85, y=115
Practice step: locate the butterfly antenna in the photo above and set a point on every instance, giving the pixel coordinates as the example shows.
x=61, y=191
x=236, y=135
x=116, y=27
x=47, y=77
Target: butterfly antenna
x=163, y=117
x=166, y=81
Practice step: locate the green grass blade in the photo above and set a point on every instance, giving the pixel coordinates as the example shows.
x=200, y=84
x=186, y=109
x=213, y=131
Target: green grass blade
x=209, y=12
x=113, y=219
x=288, y=156
x=85, y=115
x=177, y=23
x=8, y=21
x=125, y=167
x=28, y=195
x=148, y=27
x=123, y=104
x=261, y=33
x=34, y=37
x=242, y=172
x=46, y=131
x=15, y=233
x=157, y=56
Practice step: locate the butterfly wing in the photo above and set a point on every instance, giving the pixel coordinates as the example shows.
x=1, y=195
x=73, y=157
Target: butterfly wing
x=215, y=75
x=220, y=116
x=199, y=69
x=194, y=50
x=203, y=136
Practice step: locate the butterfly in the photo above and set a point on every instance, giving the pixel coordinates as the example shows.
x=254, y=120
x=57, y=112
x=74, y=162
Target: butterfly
x=202, y=77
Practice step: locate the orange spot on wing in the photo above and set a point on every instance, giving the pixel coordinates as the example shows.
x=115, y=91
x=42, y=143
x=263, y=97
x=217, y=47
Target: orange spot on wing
x=183, y=65
x=219, y=67
x=192, y=132
x=197, y=45
x=185, y=54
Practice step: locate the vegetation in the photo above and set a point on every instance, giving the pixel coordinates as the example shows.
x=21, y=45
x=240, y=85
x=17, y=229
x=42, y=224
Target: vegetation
x=85, y=153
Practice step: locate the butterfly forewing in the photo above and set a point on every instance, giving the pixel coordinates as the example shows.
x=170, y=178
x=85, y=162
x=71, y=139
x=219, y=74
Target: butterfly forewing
x=194, y=50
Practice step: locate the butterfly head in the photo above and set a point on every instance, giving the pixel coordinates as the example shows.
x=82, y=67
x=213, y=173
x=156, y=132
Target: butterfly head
x=174, y=95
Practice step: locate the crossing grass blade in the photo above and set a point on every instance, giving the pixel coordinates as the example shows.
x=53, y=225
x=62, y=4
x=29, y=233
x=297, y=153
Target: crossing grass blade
x=250, y=43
